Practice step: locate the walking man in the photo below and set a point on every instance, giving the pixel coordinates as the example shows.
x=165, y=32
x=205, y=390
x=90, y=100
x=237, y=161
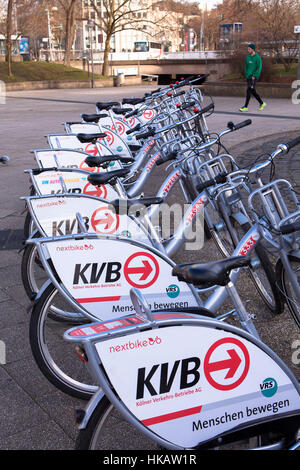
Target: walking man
x=253, y=67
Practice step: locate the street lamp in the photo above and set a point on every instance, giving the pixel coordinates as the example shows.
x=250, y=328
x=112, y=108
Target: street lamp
x=90, y=25
x=49, y=31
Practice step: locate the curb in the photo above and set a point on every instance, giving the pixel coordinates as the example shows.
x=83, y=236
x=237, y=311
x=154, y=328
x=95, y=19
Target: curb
x=69, y=84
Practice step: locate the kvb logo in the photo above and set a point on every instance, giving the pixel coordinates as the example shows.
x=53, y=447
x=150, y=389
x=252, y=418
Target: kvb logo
x=110, y=138
x=105, y=220
x=120, y=127
x=186, y=371
x=68, y=226
x=141, y=270
x=92, y=149
x=99, y=191
x=94, y=169
x=91, y=273
x=149, y=114
x=131, y=121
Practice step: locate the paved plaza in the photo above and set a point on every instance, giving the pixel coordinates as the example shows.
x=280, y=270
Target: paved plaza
x=34, y=414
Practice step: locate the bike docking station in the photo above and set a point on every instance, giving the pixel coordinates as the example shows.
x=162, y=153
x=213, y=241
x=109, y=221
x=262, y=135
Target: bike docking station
x=162, y=370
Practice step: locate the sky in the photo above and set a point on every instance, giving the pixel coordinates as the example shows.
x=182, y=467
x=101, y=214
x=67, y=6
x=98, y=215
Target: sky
x=210, y=3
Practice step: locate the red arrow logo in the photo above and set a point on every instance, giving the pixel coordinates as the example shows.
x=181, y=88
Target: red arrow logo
x=231, y=364
x=145, y=270
x=108, y=220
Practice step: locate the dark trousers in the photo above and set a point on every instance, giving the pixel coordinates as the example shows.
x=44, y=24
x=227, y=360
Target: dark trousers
x=251, y=83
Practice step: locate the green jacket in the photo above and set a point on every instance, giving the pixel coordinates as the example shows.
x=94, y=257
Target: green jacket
x=253, y=66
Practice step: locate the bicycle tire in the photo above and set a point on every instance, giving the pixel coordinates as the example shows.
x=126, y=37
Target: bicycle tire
x=29, y=226
x=221, y=237
x=53, y=355
x=293, y=306
x=117, y=429
x=29, y=277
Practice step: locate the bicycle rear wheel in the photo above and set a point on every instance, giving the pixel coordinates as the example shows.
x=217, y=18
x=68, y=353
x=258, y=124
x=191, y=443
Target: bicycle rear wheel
x=107, y=430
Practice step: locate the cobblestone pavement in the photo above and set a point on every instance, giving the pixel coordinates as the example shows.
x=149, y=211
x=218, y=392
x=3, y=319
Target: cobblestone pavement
x=34, y=414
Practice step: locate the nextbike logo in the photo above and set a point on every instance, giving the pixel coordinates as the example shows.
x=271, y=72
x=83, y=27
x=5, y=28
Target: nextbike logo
x=269, y=387
x=75, y=247
x=135, y=345
x=51, y=204
x=248, y=244
x=173, y=291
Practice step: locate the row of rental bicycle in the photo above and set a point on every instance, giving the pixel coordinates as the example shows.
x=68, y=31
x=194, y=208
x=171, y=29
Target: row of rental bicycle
x=116, y=322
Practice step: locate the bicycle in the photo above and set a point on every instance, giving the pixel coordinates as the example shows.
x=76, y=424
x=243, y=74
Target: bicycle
x=170, y=246
x=280, y=229
x=173, y=392
x=90, y=308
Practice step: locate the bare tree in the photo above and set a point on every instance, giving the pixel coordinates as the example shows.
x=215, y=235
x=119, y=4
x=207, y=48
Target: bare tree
x=69, y=8
x=8, y=41
x=275, y=23
x=121, y=15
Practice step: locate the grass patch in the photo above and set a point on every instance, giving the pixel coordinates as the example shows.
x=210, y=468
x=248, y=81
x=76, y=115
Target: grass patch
x=34, y=71
x=279, y=71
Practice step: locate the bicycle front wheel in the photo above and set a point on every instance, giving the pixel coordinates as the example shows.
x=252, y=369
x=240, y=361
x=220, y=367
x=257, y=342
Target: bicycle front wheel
x=292, y=301
x=108, y=430
x=54, y=356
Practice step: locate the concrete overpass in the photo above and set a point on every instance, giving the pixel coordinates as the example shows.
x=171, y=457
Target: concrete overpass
x=167, y=69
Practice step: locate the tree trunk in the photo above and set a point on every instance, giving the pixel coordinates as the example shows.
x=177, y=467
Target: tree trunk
x=8, y=52
x=70, y=20
x=105, y=67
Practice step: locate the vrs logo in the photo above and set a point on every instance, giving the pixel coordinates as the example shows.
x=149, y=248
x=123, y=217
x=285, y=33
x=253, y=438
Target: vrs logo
x=173, y=291
x=269, y=387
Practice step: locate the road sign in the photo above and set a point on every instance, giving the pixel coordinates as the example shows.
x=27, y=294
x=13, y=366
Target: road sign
x=141, y=270
x=226, y=364
x=297, y=29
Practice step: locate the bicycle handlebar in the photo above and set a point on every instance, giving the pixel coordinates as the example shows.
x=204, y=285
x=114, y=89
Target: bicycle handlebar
x=290, y=228
x=134, y=129
x=218, y=179
x=240, y=125
x=144, y=135
x=292, y=143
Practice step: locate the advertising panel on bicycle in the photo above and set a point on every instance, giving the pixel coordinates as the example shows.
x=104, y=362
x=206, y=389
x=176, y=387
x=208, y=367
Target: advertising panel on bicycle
x=99, y=273
x=214, y=382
